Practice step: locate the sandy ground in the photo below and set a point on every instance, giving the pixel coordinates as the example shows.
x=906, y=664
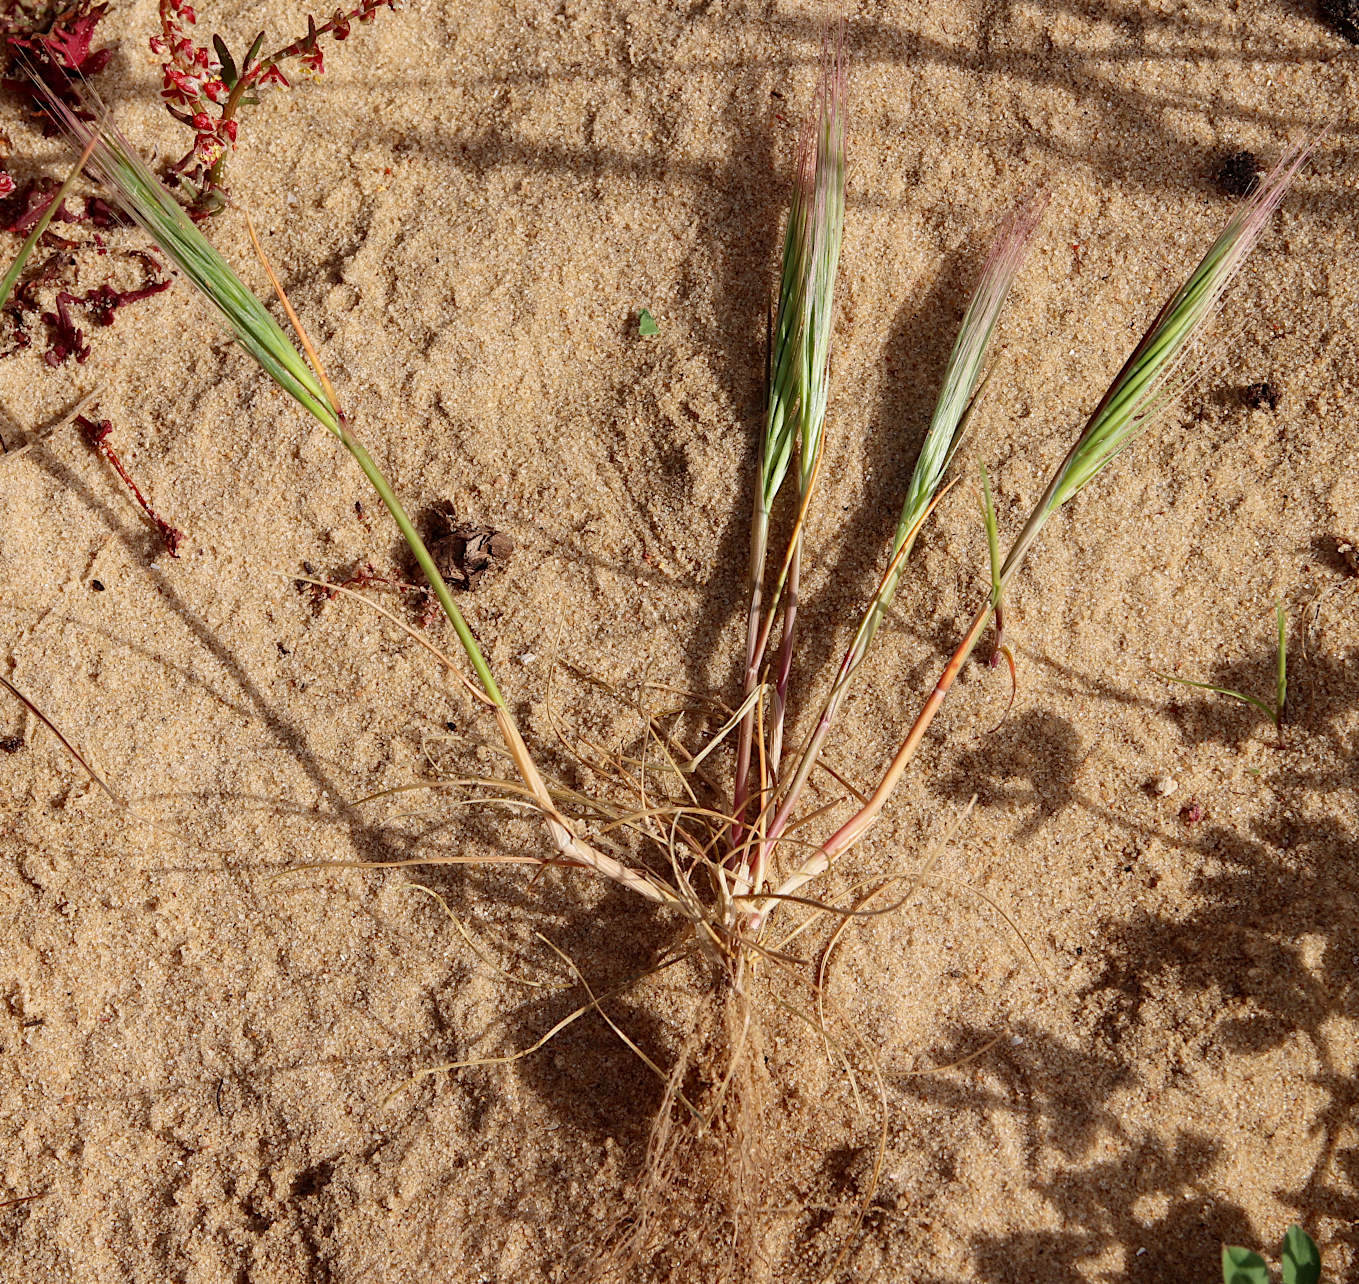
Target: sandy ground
x=469, y=209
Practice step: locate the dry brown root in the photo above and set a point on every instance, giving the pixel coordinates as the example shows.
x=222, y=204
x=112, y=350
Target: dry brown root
x=693, y=1213
x=736, y=1147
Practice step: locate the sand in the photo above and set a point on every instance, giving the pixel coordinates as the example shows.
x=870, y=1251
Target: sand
x=469, y=209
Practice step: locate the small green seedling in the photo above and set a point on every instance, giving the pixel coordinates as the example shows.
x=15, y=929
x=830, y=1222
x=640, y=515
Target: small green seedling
x=1274, y=712
x=1300, y=1262
x=646, y=324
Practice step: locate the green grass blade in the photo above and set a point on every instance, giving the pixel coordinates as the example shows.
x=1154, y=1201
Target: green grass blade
x=1145, y=384
x=1222, y=691
x=967, y=360
x=992, y=539
x=825, y=232
x=116, y=164
x=797, y=365
x=783, y=401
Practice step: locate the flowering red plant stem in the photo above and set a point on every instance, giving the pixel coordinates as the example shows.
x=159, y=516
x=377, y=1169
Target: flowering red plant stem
x=204, y=88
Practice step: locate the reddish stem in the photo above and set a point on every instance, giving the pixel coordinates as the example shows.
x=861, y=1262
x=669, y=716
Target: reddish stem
x=855, y=826
x=97, y=435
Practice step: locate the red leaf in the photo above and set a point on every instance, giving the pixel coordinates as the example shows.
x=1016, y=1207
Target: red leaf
x=67, y=42
x=68, y=340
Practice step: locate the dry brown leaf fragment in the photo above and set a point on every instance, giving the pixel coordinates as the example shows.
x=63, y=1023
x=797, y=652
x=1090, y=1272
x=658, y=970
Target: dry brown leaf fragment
x=464, y=552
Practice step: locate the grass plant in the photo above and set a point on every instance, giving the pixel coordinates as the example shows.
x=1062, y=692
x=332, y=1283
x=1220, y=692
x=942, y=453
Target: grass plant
x=824, y=191
x=728, y=865
x=746, y=880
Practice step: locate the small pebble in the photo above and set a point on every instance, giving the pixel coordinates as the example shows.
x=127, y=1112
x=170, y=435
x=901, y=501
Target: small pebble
x=1162, y=786
x=527, y=658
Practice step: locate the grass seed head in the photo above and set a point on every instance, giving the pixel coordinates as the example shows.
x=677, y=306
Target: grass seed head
x=1162, y=364
x=1167, y=359
x=824, y=233
x=800, y=361
x=961, y=386
x=967, y=361
x=116, y=164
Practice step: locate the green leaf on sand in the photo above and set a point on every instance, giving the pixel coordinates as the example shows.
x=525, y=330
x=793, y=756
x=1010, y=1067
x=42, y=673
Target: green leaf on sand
x=1241, y=1266
x=1301, y=1260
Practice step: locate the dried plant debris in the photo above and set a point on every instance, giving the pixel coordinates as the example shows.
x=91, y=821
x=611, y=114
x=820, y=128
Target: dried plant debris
x=1239, y=173
x=1261, y=396
x=364, y=575
x=1192, y=812
x=465, y=552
